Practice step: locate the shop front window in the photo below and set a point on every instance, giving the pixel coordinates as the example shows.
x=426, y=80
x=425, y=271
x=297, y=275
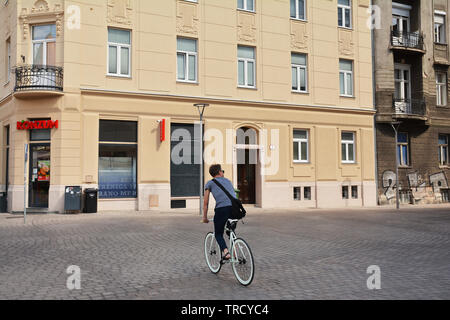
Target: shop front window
x=117, y=168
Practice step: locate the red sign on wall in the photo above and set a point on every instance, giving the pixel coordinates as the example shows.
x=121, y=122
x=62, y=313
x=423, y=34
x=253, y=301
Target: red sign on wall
x=37, y=124
x=162, y=130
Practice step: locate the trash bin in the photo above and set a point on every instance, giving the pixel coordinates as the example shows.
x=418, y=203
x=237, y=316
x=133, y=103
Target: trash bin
x=90, y=200
x=3, y=202
x=72, y=198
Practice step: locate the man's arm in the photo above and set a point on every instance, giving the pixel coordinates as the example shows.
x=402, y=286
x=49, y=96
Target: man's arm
x=205, y=206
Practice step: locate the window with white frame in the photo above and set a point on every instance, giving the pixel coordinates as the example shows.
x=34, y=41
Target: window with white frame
x=119, y=52
x=443, y=149
x=301, y=146
x=248, y=5
x=345, y=13
x=186, y=60
x=348, y=147
x=299, y=72
x=403, y=149
x=298, y=9
x=346, y=77
x=246, y=67
x=441, y=88
x=8, y=60
x=439, y=28
x=44, y=44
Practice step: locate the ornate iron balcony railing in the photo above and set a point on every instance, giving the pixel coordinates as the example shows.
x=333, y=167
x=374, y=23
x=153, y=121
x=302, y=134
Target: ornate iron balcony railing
x=409, y=106
x=39, y=77
x=412, y=40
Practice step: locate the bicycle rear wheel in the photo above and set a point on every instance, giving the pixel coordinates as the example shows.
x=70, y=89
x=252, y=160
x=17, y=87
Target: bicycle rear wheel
x=212, y=253
x=243, y=264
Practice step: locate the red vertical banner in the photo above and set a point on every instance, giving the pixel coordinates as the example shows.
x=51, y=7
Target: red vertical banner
x=162, y=130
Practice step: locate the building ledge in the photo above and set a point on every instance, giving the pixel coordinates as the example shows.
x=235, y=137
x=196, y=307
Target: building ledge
x=36, y=94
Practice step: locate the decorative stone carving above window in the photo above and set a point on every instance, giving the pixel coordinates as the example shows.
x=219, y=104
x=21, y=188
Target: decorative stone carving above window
x=42, y=13
x=299, y=35
x=187, y=18
x=246, y=27
x=120, y=12
x=346, y=43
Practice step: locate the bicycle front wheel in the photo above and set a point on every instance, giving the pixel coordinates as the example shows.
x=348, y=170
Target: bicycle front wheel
x=243, y=264
x=212, y=253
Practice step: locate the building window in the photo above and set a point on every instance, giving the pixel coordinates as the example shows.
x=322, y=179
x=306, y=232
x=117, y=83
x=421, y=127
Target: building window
x=348, y=147
x=441, y=88
x=299, y=72
x=8, y=60
x=439, y=28
x=40, y=134
x=301, y=146
x=346, y=77
x=344, y=192
x=117, y=165
x=345, y=13
x=298, y=9
x=248, y=5
x=246, y=67
x=307, y=193
x=403, y=149
x=184, y=164
x=44, y=45
x=402, y=79
x=119, y=52
x=187, y=60
x=354, y=192
x=297, y=193
x=443, y=150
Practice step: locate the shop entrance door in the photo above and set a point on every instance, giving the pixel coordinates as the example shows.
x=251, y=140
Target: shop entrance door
x=39, y=176
x=246, y=173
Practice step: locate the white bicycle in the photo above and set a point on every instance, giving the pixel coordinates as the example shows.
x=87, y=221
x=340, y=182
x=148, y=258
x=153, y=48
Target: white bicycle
x=241, y=256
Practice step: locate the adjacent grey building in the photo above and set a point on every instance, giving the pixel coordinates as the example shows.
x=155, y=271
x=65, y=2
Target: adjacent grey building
x=411, y=60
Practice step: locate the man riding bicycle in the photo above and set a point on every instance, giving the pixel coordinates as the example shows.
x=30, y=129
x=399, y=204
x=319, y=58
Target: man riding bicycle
x=223, y=205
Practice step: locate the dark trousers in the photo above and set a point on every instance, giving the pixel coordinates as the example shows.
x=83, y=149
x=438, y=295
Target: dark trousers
x=221, y=217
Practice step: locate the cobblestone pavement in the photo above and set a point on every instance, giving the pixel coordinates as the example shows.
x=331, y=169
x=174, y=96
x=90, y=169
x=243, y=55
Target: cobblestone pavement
x=312, y=254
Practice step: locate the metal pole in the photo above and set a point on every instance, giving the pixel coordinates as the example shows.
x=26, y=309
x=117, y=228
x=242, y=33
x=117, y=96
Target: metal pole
x=396, y=168
x=201, y=163
x=25, y=185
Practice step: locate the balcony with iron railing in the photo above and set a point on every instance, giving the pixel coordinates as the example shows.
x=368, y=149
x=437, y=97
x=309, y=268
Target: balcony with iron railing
x=411, y=41
x=38, y=80
x=409, y=109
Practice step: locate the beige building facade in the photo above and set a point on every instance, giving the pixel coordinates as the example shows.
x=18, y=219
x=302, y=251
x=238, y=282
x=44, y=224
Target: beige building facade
x=120, y=77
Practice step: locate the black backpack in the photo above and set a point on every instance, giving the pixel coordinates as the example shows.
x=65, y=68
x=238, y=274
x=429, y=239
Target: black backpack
x=237, y=212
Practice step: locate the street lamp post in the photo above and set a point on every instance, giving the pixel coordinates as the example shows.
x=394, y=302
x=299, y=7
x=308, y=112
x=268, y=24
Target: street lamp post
x=201, y=109
x=395, y=126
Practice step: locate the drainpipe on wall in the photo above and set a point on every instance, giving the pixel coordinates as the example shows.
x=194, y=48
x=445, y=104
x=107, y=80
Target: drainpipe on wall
x=372, y=34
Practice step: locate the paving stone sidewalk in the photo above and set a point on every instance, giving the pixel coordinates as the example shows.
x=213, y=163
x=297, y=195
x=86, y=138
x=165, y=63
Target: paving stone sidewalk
x=305, y=254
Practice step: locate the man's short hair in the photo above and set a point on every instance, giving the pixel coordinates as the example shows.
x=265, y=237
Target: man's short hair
x=214, y=169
